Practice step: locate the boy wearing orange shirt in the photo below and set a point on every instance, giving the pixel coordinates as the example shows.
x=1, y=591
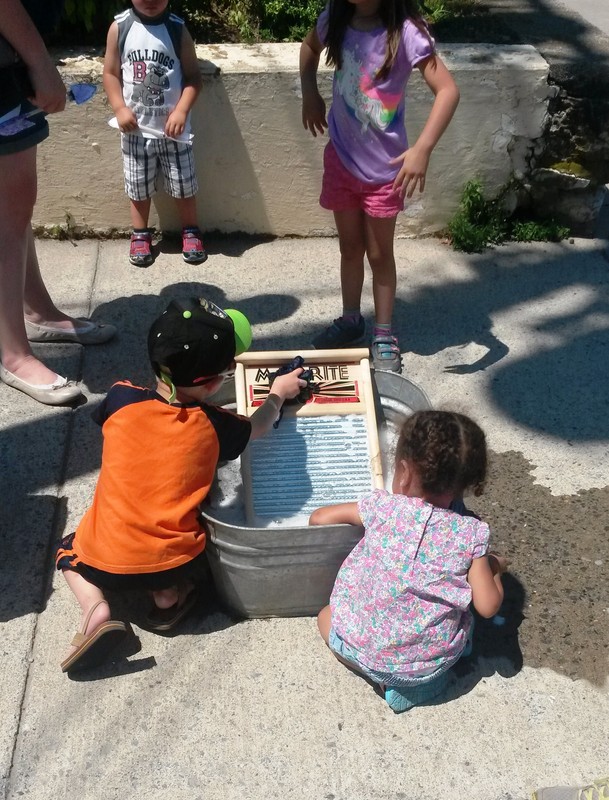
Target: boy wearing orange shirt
x=161, y=449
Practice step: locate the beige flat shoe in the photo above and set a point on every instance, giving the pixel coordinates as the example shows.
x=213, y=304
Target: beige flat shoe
x=88, y=332
x=58, y=393
x=599, y=790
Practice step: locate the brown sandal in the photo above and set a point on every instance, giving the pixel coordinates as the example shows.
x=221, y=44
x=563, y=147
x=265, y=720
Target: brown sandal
x=164, y=619
x=92, y=649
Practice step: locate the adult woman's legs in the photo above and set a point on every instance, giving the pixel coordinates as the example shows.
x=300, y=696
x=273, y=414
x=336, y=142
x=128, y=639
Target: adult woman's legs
x=43, y=320
x=38, y=306
x=24, y=294
x=17, y=198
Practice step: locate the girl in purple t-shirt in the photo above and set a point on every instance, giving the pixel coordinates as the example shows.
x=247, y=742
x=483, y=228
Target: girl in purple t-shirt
x=368, y=166
x=399, y=610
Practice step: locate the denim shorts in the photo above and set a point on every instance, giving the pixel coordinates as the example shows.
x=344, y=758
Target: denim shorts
x=340, y=648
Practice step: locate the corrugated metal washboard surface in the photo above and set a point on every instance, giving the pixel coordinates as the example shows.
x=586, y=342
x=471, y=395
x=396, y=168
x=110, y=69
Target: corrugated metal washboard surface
x=309, y=462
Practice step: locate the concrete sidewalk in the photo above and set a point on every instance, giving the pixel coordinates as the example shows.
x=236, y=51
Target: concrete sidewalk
x=517, y=337
x=596, y=12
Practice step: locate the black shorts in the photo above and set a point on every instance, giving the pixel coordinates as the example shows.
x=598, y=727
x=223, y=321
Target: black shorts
x=20, y=131
x=196, y=571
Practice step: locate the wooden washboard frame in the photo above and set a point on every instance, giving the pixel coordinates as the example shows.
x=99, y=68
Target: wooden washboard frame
x=345, y=389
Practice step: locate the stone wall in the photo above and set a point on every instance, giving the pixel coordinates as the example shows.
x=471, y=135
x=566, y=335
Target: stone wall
x=571, y=166
x=260, y=171
x=567, y=180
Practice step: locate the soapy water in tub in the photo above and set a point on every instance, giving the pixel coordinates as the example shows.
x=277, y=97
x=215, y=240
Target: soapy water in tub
x=319, y=461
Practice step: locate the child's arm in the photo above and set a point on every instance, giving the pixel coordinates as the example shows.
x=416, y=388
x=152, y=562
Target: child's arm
x=285, y=387
x=113, y=84
x=484, y=577
x=313, y=105
x=416, y=159
x=191, y=86
x=342, y=513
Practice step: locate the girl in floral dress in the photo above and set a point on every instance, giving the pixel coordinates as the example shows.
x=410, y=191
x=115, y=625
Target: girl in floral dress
x=399, y=611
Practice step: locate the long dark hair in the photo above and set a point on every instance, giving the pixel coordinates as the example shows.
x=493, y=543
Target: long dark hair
x=393, y=14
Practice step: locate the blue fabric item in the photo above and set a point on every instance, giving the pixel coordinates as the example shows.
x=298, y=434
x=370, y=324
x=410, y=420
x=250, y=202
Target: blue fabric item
x=403, y=698
x=346, y=652
x=404, y=693
x=81, y=92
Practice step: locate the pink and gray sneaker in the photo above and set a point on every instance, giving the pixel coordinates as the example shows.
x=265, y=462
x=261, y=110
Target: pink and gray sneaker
x=193, y=250
x=140, y=248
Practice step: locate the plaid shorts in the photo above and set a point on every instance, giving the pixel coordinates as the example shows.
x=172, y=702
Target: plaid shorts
x=144, y=158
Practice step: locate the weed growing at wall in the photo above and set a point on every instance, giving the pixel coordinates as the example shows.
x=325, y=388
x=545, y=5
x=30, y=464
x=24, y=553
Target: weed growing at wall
x=535, y=231
x=480, y=222
x=440, y=10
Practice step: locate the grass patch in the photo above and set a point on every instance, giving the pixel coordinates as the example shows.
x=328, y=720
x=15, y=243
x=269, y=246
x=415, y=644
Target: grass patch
x=442, y=10
x=480, y=223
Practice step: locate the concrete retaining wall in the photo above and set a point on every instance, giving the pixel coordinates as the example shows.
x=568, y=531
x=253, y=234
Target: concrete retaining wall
x=260, y=171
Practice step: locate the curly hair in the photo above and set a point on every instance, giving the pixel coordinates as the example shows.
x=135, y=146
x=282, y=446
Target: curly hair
x=393, y=14
x=447, y=449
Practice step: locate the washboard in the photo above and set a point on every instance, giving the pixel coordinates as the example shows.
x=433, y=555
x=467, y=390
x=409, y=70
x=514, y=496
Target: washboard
x=323, y=452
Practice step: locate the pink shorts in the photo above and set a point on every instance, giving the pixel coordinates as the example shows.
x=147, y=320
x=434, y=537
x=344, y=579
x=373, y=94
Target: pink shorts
x=341, y=191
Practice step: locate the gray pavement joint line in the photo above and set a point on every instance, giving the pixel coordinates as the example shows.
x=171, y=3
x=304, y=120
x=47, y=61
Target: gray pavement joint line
x=92, y=289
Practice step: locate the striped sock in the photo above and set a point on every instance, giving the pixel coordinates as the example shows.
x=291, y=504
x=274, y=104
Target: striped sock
x=351, y=315
x=382, y=329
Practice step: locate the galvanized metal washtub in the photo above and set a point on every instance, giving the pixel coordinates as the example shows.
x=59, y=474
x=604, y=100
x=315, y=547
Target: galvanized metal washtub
x=285, y=572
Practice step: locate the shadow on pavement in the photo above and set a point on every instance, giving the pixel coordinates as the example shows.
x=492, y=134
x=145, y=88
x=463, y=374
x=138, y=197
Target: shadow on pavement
x=127, y=357
x=561, y=387
x=560, y=545
x=206, y=617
